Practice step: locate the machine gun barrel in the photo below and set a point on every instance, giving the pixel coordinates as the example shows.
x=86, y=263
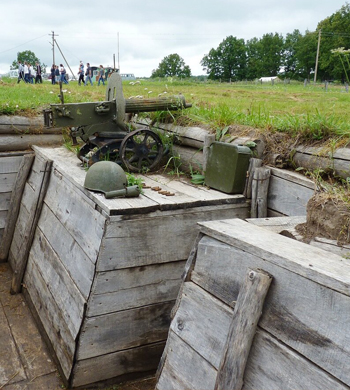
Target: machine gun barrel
x=176, y=102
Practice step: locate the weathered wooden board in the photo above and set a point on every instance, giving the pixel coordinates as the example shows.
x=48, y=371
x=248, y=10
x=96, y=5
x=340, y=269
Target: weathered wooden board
x=321, y=337
x=278, y=224
x=123, y=330
x=184, y=368
x=50, y=317
x=5, y=200
x=331, y=246
x=10, y=164
x=138, y=360
x=7, y=181
x=197, y=339
x=77, y=263
x=134, y=287
x=76, y=215
x=157, y=238
x=3, y=217
x=68, y=298
x=289, y=192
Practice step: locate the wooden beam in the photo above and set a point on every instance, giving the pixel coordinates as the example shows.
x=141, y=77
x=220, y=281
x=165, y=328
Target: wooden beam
x=253, y=164
x=260, y=186
x=15, y=202
x=247, y=312
x=30, y=230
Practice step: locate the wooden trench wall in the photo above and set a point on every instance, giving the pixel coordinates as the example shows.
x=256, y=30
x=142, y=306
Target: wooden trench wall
x=301, y=340
x=102, y=286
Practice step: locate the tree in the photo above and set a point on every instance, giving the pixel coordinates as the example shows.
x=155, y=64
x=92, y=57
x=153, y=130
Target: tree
x=172, y=65
x=291, y=64
x=27, y=56
x=270, y=48
x=228, y=61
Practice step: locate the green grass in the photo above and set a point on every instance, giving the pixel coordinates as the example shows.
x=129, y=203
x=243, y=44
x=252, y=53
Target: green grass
x=309, y=111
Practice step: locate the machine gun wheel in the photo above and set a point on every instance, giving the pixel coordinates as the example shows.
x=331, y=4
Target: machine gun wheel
x=141, y=150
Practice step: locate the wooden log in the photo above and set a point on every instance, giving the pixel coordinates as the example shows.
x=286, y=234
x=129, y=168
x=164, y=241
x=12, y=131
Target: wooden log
x=312, y=158
x=247, y=312
x=30, y=230
x=25, y=125
x=253, y=164
x=15, y=201
x=260, y=186
x=25, y=142
x=208, y=140
x=190, y=158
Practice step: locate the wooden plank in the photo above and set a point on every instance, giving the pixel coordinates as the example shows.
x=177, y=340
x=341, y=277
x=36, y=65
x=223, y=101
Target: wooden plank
x=294, y=177
x=246, y=315
x=184, y=368
x=68, y=298
x=3, y=218
x=123, y=330
x=142, y=240
x=200, y=313
x=260, y=185
x=312, y=263
x=278, y=224
x=197, y=339
x=50, y=317
x=10, y=164
x=79, y=266
x=321, y=337
x=84, y=223
x=134, y=287
x=288, y=197
x=331, y=246
x=5, y=198
x=141, y=360
x=30, y=229
x=272, y=365
x=7, y=181
x=14, y=206
x=69, y=166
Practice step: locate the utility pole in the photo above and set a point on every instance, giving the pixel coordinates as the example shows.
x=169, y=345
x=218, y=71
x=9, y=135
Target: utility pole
x=118, y=54
x=317, y=54
x=53, y=45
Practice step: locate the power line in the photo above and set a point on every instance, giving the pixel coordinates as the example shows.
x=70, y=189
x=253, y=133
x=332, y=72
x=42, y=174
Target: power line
x=22, y=44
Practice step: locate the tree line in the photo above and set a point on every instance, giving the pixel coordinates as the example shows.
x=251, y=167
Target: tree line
x=292, y=56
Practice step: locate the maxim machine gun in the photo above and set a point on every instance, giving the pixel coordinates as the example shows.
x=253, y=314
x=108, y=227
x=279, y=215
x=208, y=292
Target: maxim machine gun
x=101, y=125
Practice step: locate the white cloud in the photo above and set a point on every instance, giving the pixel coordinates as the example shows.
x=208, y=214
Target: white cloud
x=148, y=30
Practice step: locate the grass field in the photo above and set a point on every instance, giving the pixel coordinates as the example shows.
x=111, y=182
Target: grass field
x=311, y=111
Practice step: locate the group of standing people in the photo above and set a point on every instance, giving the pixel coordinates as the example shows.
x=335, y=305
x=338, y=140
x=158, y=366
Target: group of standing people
x=28, y=73
x=88, y=74
x=58, y=74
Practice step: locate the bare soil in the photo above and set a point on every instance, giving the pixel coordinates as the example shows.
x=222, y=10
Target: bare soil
x=327, y=217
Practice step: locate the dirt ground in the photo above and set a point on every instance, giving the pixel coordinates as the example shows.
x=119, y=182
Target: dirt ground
x=25, y=363
x=327, y=217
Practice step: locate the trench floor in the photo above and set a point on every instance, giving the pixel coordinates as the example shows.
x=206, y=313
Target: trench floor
x=25, y=363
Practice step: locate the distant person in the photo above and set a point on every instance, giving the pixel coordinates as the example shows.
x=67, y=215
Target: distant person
x=57, y=74
x=38, y=78
x=101, y=75
x=88, y=74
x=26, y=73
x=63, y=74
x=53, y=74
x=20, y=72
x=81, y=73
x=32, y=74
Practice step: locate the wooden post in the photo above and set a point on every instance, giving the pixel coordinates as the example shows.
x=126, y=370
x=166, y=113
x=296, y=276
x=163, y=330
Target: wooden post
x=253, y=164
x=14, y=206
x=208, y=140
x=246, y=315
x=260, y=186
x=30, y=230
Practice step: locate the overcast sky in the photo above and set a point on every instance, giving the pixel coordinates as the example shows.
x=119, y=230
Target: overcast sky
x=148, y=30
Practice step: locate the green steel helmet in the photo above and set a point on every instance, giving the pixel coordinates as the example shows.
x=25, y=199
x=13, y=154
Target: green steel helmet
x=105, y=176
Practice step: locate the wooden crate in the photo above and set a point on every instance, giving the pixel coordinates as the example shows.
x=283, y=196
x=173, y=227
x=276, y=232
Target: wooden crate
x=302, y=339
x=103, y=274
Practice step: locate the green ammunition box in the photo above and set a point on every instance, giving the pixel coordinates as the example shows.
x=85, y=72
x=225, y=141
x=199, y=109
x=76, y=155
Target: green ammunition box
x=227, y=167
